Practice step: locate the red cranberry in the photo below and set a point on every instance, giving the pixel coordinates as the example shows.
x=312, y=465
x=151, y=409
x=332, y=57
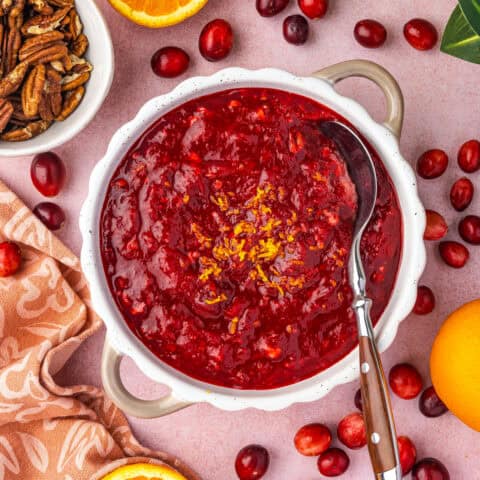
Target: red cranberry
x=252, y=462
x=170, y=62
x=358, y=400
x=454, y=254
x=351, y=431
x=430, y=404
x=461, y=194
x=370, y=33
x=269, y=8
x=50, y=214
x=295, y=29
x=420, y=34
x=313, y=8
x=216, y=40
x=10, y=258
x=425, y=302
x=432, y=163
x=430, y=469
x=333, y=462
x=405, y=381
x=48, y=173
x=469, y=156
x=312, y=440
x=436, y=227
x=469, y=229
x=407, y=453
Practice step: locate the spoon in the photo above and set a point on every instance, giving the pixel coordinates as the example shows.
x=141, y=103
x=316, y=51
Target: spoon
x=377, y=411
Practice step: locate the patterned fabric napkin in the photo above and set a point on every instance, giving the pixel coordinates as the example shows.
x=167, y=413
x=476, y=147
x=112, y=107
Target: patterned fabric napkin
x=47, y=431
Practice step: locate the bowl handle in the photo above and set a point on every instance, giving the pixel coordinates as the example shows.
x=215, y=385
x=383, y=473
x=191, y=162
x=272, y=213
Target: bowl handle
x=378, y=75
x=123, y=399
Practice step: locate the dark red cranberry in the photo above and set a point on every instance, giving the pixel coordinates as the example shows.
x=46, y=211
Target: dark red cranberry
x=10, y=259
x=430, y=404
x=170, y=62
x=312, y=440
x=407, y=453
x=405, y=381
x=313, y=8
x=252, y=462
x=48, y=173
x=358, y=400
x=295, y=29
x=420, y=34
x=461, y=194
x=432, y=163
x=351, y=431
x=216, y=40
x=436, y=227
x=370, y=33
x=425, y=302
x=469, y=229
x=333, y=462
x=454, y=254
x=50, y=214
x=469, y=156
x=269, y=8
x=430, y=469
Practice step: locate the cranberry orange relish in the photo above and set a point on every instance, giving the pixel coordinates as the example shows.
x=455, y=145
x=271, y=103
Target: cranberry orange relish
x=225, y=237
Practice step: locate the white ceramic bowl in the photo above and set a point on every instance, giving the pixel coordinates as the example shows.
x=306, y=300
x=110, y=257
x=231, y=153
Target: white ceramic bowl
x=100, y=55
x=185, y=390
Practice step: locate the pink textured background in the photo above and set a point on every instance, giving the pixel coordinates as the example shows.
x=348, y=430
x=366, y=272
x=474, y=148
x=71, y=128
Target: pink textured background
x=442, y=110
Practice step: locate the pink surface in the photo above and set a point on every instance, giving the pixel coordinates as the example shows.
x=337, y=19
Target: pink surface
x=442, y=105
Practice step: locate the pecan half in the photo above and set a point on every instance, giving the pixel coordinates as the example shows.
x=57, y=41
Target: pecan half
x=11, y=46
x=44, y=23
x=11, y=83
x=80, y=45
x=53, y=52
x=30, y=130
x=32, y=91
x=39, y=43
x=41, y=6
x=71, y=82
x=51, y=100
x=71, y=102
x=74, y=27
x=6, y=112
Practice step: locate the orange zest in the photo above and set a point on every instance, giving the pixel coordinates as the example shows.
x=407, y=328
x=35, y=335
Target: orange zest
x=144, y=471
x=155, y=13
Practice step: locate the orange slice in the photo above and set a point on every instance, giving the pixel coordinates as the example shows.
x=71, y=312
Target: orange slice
x=144, y=471
x=157, y=13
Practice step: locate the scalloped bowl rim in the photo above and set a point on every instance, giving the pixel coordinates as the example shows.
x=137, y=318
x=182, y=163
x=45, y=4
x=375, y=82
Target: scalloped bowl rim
x=411, y=266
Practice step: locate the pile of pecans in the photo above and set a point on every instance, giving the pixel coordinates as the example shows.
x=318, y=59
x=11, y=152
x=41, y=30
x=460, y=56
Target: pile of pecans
x=42, y=66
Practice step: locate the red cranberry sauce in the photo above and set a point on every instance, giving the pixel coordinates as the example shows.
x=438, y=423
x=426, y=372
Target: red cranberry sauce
x=225, y=237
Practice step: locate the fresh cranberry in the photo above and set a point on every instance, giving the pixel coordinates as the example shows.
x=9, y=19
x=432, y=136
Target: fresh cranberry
x=469, y=156
x=436, y=227
x=216, y=40
x=313, y=8
x=50, y=214
x=269, y=8
x=48, y=173
x=295, y=29
x=420, y=34
x=469, y=229
x=312, y=440
x=454, y=254
x=432, y=163
x=10, y=258
x=252, y=462
x=405, y=381
x=407, y=453
x=351, y=431
x=430, y=404
x=358, y=399
x=425, y=302
x=333, y=462
x=170, y=62
x=370, y=33
x=461, y=194
x=430, y=469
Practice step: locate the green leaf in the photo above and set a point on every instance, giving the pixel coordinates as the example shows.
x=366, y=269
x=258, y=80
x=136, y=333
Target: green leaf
x=471, y=10
x=460, y=39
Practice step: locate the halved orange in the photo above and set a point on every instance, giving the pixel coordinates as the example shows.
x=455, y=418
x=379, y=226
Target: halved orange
x=144, y=471
x=157, y=13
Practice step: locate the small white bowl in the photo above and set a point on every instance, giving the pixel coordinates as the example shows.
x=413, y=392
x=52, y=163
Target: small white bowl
x=100, y=55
